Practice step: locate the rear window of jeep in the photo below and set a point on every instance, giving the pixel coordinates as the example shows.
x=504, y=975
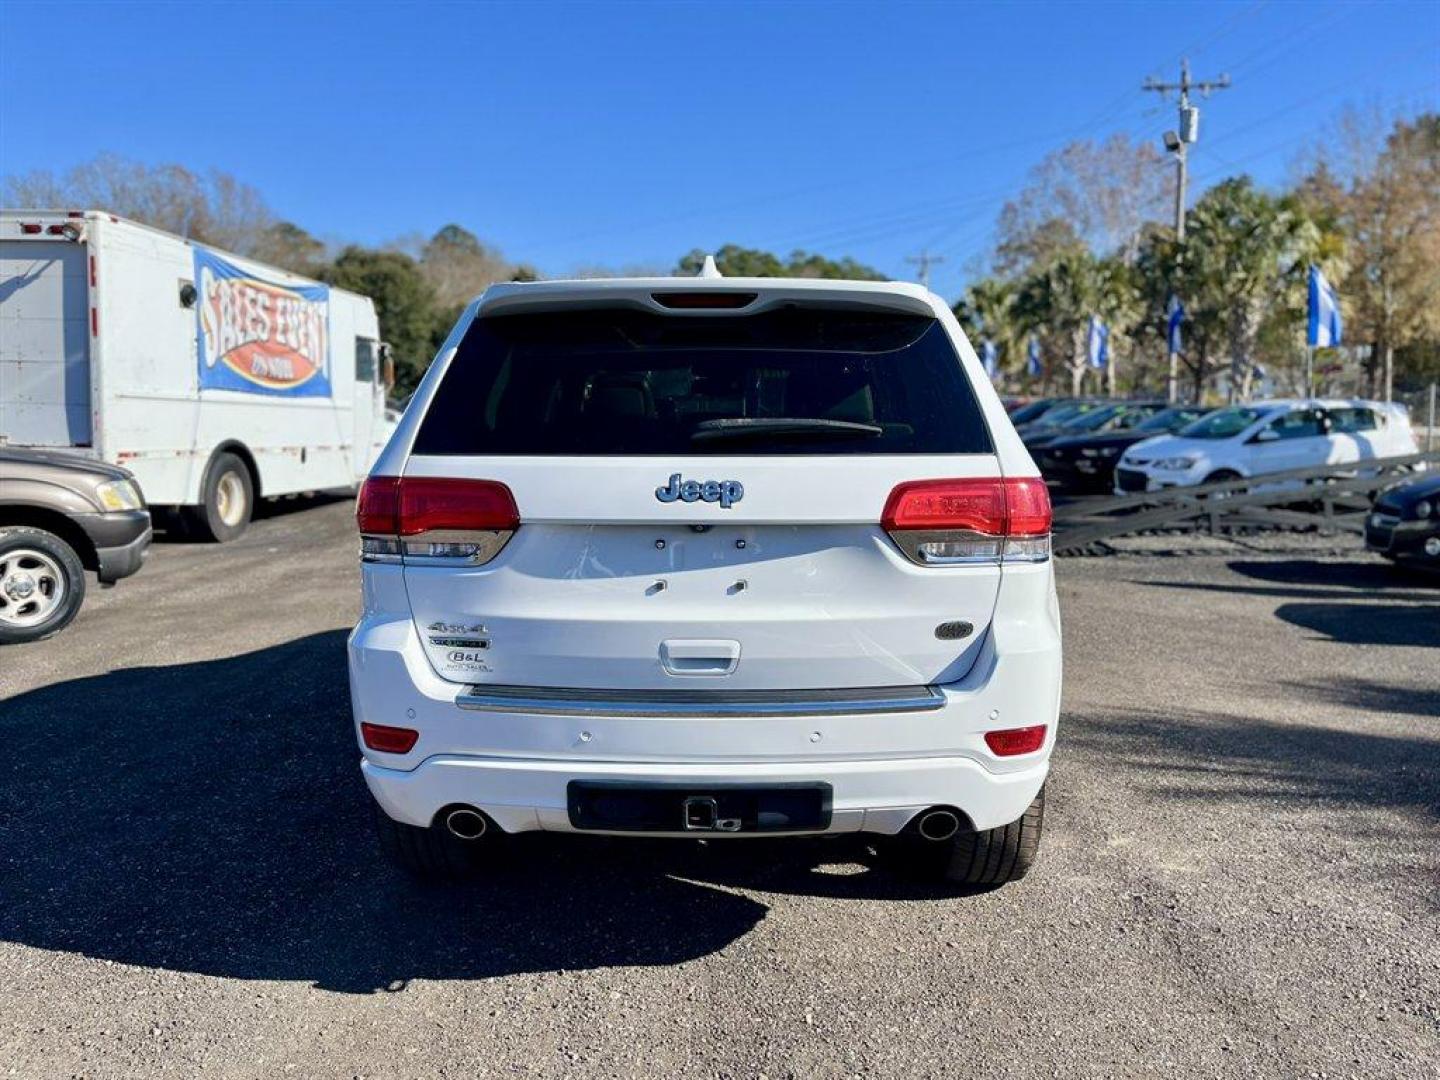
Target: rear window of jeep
x=790, y=381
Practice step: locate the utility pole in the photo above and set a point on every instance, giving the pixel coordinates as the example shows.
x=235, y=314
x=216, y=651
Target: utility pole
x=1189, y=128
x=1177, y=143
x=925, y=260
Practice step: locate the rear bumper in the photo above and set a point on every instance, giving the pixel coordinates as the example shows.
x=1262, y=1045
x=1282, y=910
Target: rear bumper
x=869, y=796
x=884, y=767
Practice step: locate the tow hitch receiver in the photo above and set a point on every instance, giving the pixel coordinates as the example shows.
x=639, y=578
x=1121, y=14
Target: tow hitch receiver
x=678, y=807
x=702, y=815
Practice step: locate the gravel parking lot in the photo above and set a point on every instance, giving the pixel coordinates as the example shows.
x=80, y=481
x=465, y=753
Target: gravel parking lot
x=1240, y=874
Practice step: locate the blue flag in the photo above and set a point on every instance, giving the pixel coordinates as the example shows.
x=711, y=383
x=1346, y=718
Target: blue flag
x=1325, y=325
x=1033, y=357
x=1174, y=316
x=1099, y=343
x=989, y=357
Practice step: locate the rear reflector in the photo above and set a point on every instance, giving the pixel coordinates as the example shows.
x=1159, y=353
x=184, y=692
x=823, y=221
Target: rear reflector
x=31, y=228
x=389, y=740
x=1012, y=741
x=705, y=299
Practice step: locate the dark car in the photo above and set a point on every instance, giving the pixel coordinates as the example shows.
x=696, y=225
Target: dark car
x=1109, y=416
x=61, y=515
x=1059, y=414
x=1404, y=523
x=1028, y=411
x=1087, y=460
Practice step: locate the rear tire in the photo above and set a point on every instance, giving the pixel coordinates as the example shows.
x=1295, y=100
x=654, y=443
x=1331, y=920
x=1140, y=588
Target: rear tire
x=227, y=500
x=980, y=859
x=433, y=854
x=42, y=584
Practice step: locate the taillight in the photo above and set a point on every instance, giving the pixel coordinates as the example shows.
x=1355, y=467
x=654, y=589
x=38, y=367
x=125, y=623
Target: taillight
x=1018, y=740
x=428, y=504
x=389, y=740
x=434, y=518
x=974, y=520
x=377, y=510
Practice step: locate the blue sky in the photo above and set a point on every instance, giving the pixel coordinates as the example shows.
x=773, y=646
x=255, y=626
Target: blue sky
x=626, y=134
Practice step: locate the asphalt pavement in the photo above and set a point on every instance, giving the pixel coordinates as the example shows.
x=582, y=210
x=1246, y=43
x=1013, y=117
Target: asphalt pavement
x=1240, y=874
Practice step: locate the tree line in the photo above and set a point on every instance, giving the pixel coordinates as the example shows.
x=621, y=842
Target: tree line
x=1085, y=239
x=419, y=284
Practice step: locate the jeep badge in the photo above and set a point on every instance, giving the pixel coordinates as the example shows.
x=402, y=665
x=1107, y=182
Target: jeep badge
x=726, y=492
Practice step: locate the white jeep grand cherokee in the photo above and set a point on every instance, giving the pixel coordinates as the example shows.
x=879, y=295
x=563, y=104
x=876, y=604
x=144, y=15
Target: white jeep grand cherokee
x=708, y=558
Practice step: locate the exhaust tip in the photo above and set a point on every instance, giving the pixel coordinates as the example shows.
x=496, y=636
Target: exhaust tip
x=464, y=823
x=938, y=824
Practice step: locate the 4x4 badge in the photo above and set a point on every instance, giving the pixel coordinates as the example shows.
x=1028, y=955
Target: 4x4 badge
x=726, y=492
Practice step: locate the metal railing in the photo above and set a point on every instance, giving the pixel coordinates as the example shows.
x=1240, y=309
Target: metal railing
x=1326, y=496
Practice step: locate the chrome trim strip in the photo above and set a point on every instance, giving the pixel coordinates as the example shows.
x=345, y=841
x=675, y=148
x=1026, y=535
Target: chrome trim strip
x=568, y=701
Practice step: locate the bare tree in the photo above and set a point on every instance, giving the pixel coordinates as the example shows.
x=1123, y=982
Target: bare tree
x=1381, y=185
x=1096, y=194
x=458, y=266
x=215, y=208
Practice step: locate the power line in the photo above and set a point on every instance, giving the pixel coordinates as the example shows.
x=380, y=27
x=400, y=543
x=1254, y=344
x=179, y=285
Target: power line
x=1223, y=30
x=1312, y=95
x=1272, y=51
x=1103, y=116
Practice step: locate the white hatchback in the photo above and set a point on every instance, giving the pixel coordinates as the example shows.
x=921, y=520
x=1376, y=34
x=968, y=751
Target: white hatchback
x=708, y=558
x=1266, y=437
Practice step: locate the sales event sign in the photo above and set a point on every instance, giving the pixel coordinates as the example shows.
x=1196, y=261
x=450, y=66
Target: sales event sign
x=259, y=336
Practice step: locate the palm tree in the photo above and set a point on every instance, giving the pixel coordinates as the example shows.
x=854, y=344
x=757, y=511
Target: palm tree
x=1245, y=256
x=1059, y=297
x=987, y=311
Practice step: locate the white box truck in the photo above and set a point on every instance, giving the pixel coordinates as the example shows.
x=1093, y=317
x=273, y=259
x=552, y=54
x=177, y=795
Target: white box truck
x=215, y=379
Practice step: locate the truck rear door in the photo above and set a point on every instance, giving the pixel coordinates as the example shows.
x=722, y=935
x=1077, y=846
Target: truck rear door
x=44, y=343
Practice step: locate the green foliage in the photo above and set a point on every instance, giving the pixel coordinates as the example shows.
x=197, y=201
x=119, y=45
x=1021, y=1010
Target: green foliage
x=1244, y=263
x=735, y=261
x=1079, y=239
x=987, y=311
x=404, y=301
x=287, y=244
x=1057, y=298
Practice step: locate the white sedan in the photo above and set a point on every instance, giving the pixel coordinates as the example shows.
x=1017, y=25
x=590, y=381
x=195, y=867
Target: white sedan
x=1266, y=437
